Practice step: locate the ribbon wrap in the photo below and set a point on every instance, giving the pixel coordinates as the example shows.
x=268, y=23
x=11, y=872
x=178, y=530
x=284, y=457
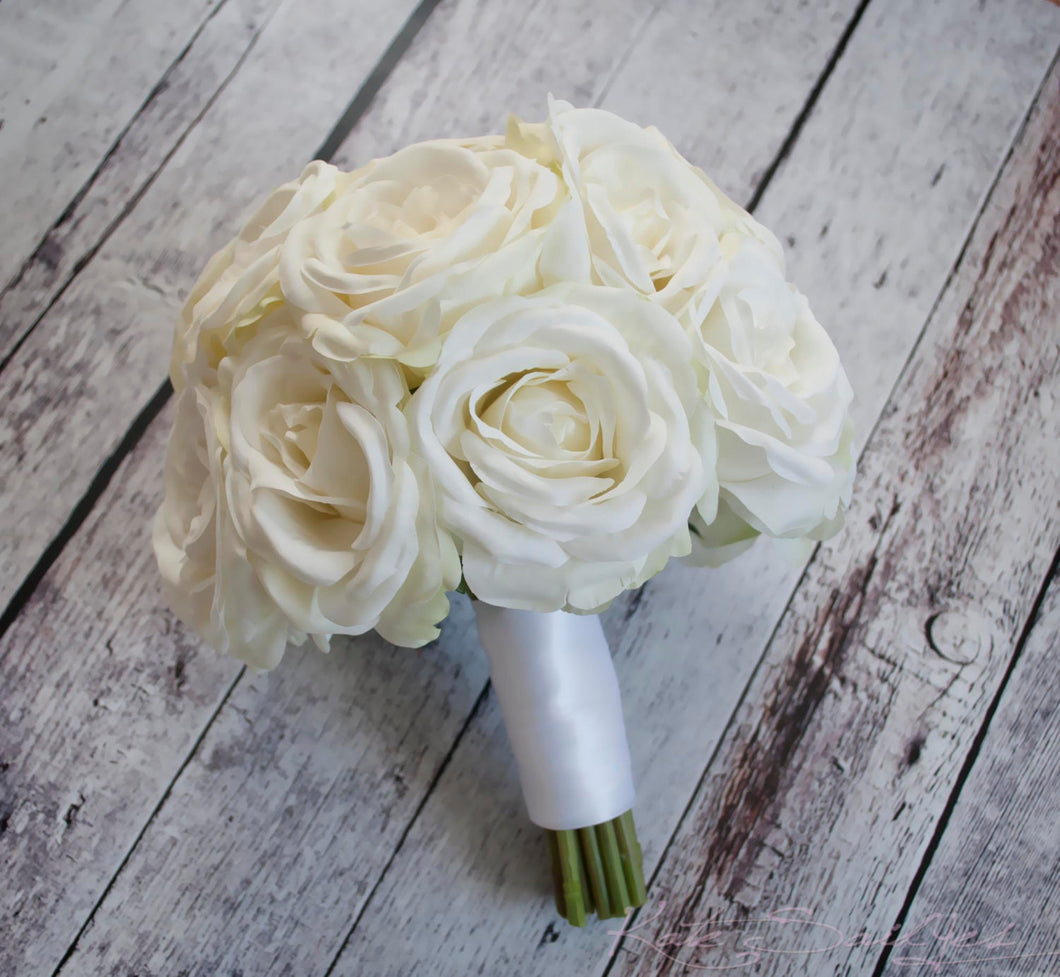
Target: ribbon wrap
x=558, y=692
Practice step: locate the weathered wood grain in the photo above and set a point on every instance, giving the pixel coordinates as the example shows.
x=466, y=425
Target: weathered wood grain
x=72, y=77
x=74, y=660
x=685, y=654
x=995, y=873
x=110, y=183
x=75, y=787
x=703, y=61
x=910, y=115
x=456, y=819
x=105, y=699
x=828, y=785
x=314, y=759
x=476, y=788
x=147, y=908
x=76, y=384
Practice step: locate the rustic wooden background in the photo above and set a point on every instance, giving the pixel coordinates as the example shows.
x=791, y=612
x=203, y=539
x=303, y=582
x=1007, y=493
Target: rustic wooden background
x=873, y=737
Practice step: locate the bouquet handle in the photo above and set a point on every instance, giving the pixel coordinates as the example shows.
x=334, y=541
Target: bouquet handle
x=558, y=692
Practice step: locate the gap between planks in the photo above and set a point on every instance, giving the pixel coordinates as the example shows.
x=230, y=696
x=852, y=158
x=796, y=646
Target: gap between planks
x=1046, y=107
x=357, y=105
x=1034, y=623
x=44, y=258
x=391, y=918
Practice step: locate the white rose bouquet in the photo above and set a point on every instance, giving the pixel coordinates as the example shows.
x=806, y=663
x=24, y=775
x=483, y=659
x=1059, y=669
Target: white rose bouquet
x=532, y=368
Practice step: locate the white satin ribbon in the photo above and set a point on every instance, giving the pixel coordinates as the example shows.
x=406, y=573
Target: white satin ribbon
x=559, y=696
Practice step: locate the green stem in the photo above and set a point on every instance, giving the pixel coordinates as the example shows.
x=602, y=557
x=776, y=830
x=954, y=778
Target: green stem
x=616, y=879
x=597, y=868
x=632, y=858
x=557, y=872
x=571, y=878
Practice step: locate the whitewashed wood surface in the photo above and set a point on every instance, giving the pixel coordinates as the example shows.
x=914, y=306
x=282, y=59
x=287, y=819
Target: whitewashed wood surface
x=1002, y=883
x=73, y=77
x=872, y=737
x=72, y=204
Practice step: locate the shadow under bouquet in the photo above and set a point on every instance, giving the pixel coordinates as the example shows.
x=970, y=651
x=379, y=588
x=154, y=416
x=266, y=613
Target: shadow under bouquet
x=530, y=367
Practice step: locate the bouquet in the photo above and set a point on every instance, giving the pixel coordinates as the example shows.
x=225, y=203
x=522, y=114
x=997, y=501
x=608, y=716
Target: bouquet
x=531, y=368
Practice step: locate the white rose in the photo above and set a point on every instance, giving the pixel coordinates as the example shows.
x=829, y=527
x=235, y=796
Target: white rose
x=653, y=221
x=242, y=281
x=568, y=445
x=204, y=572
x=781, y=401
x=416, y=238
x=300, y=469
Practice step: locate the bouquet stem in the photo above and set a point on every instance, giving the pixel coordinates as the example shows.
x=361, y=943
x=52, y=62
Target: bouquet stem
x=597, y=869
x=557, y=689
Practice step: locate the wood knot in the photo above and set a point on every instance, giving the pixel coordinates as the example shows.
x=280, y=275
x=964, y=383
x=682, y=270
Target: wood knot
x=959, y=636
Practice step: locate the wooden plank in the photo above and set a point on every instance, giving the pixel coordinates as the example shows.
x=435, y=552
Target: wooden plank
x=468, y=880
x=75, y=787
x=995, y=871
x=704, y=62
x=499, y=747
x=316, y=758
x=76, y=384
x=929, y=171
x=158, y=904
x=88, y=200
x=685, y=652
x=825, y=791
x=79, y=776
x=73, y=76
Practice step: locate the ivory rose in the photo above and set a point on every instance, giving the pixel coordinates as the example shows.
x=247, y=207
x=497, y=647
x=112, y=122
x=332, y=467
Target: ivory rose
x=293, y=506
x=205, y=574
x=781, y=400
x=651, y=220
x=417, y=238
x=766, y=368
x=568, y=443
x=242, y=281
x=607, y=368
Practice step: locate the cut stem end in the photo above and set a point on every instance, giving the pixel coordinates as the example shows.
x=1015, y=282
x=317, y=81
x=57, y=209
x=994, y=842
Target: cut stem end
x=597, y=869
